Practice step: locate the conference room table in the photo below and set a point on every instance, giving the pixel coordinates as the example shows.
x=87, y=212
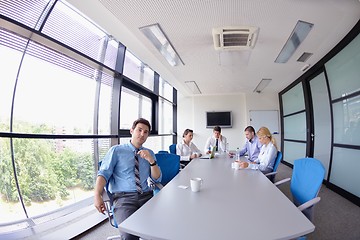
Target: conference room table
x=232, y=204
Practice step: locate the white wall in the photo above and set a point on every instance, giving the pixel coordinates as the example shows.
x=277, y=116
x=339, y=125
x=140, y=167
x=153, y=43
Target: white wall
x=191, y=114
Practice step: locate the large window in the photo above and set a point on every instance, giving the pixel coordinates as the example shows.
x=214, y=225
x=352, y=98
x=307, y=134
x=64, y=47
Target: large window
x=138, y=71
x=61, y=109
x=133, y=105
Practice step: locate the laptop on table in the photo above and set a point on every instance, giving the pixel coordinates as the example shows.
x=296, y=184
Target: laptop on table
x=211, y=155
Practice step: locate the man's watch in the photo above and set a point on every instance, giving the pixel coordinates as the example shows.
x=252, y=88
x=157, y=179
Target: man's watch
x=153, y=164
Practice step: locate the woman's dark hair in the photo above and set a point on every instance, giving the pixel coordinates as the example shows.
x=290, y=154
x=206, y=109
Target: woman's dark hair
x=187, y=131
x=143, y=121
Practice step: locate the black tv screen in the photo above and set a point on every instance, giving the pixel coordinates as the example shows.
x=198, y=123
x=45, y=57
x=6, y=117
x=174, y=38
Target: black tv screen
x=222, y=119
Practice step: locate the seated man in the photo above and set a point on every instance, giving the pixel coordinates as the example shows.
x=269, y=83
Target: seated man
x=126, y=167
x=217, y=140
x=268, y=152
x=252, y=146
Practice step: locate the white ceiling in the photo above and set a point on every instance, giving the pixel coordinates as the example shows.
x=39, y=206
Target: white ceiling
x=189, y=23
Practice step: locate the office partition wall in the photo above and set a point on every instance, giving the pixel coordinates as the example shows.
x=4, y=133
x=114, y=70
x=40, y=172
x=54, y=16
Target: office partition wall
x=320, y=116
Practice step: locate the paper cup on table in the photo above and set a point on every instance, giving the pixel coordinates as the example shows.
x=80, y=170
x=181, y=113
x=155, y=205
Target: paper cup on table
x=195, y=184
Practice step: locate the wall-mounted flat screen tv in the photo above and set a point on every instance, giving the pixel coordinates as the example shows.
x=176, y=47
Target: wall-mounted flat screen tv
x=222, y=119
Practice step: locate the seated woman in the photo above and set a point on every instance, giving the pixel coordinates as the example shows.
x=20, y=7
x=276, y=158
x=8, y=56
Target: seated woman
x=186, y=149
x=268, y=152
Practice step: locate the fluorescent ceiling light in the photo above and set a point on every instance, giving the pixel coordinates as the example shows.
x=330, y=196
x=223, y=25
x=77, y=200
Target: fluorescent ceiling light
x=297, y=36
x=193, y=87
x=158, y=38
x=262, y=84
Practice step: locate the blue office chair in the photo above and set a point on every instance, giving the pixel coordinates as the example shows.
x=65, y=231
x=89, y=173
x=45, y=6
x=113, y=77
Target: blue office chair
x=163, y=151
x=170, y=166
x=306, y=180
x=172, y=148
x=272, y=174
x=108, y=201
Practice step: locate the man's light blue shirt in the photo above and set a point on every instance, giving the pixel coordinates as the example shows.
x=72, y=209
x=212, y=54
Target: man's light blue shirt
x=118, y=166
x=252, y=148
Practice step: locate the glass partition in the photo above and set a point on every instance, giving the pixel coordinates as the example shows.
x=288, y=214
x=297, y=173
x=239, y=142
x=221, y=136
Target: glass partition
x=293, y=151
x=345, y=169
x=293, y=100
x=343, y=70
x=295, y=127
x=347, y=121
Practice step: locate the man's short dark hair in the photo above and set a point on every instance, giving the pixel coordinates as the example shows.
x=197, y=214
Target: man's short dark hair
x=143, y=121
x=217, y=128
x=249, y=129
x=187, y=131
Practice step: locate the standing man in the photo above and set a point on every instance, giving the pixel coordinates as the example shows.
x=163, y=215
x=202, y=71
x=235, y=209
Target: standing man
x=126, y=168
x=217, y=140
x=252, y=145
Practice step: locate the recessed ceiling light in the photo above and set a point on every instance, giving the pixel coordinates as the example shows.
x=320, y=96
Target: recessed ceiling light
x=158, y=38
x=262, y=84
x=297, y=36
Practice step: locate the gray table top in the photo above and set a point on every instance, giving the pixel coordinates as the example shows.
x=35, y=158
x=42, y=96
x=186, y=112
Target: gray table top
x=232, y=204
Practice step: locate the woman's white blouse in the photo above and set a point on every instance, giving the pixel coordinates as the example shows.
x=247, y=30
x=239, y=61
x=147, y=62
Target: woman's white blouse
x=186, y=151
x=266, y=158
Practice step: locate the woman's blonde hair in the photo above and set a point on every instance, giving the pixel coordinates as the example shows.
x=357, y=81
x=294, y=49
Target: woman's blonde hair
x=265, y=132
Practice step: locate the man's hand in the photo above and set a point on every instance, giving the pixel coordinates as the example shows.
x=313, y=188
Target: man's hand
x=145, y=154
x=99, y=203
x=244, y=164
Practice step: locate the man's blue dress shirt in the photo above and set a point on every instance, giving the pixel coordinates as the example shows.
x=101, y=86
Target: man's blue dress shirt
x=252, y=148
x=118, y=166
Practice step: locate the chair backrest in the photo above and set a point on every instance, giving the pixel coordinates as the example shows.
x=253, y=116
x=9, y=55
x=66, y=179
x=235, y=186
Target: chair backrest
x=172, y=148
x=307, y=177
x=276, y=165
x=169, y=164
x=277, y=161
x=163, y=151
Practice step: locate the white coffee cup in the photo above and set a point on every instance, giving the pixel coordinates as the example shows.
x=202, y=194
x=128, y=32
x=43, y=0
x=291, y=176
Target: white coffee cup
x=236, y=165
x=195, y=184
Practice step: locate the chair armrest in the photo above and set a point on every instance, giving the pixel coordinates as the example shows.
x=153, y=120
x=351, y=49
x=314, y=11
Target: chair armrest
x=270, y=174
x=159, y=185
x=154, y=185
x=309, y=203
x=282, y=181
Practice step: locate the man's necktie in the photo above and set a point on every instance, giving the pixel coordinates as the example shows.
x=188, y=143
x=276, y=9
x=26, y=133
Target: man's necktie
x=137, y=174
x=217, y=145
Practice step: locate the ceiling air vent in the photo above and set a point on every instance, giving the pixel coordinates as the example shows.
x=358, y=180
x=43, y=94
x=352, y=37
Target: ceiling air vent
x=235, y=38
x=304, y=57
